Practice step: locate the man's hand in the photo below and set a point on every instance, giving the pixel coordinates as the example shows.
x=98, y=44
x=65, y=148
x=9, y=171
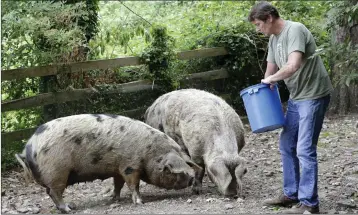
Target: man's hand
x=268, y=80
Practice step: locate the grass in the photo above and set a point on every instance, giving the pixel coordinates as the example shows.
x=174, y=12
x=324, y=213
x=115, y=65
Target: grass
x=322, y=144
x=325, y=134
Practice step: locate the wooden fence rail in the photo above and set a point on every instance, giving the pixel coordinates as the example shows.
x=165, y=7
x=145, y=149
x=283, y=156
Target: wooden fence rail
x=84, y=93
x=100, y=64
x=71, y=95
x=77, y=94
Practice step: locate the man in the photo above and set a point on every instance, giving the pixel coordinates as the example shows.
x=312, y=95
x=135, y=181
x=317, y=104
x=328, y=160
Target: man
x=290, y=51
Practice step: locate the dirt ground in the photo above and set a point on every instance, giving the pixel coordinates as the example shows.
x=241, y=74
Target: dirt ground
x=338, y=182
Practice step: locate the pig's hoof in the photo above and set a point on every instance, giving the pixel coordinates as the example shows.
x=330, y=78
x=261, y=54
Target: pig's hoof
x=71, y=205
x=139, y=201
x=64, y=208
x=116, y=198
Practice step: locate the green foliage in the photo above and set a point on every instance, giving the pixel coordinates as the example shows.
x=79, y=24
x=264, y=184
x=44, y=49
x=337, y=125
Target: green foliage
x=40, y=33
x=159, y=57
x=201, y=20
x=34, y=33
x=246, y=60
x=246, y=49
x=15, y=120
x=89, y=23
x=186, y=22
x=119, y=26
x=8, y=151
x=343, y=13
x=310, y=13
x=344, y=55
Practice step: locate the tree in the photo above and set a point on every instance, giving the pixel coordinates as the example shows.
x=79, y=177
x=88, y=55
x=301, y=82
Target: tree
x=88, y=24
x=343, y=52
x=35, y=34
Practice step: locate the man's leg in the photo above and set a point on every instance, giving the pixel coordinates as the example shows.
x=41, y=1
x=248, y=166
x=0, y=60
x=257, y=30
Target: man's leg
x=311, y=119
x=288, y=144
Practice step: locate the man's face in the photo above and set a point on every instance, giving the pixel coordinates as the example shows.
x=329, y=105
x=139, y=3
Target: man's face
x=264, y=27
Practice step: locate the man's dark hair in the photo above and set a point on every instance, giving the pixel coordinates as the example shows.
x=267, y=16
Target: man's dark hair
x=262, y=10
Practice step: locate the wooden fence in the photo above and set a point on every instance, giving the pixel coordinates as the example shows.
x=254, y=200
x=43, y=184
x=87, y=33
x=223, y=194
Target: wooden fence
x=76, y=94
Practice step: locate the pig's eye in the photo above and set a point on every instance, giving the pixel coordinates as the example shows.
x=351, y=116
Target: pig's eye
x=159, y=159
x=168, y=168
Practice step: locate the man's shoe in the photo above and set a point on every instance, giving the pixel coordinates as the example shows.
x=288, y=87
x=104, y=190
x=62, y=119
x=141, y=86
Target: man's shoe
x=281, y=200
x=301, y=209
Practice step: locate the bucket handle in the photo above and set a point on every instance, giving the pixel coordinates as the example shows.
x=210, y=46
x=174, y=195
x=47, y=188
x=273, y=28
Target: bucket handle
x=252, y=91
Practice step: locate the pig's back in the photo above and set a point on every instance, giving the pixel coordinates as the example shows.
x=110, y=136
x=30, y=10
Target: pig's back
x=194, y=118
x=102, y=141
x=198, y=109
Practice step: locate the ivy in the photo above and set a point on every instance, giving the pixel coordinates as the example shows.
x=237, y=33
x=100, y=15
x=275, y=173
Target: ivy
x=160, y=57
x=344, y=54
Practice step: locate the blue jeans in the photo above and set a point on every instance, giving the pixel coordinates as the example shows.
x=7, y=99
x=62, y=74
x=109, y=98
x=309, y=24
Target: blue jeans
x=298, y=148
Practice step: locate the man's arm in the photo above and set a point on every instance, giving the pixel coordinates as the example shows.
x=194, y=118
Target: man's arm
x=293, y=64
x=270, y=69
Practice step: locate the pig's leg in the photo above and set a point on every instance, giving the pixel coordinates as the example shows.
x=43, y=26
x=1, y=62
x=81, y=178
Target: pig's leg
x=56, y=196
x=56, y=182
x=132, y=178
x=197, y=185
x=118, y=185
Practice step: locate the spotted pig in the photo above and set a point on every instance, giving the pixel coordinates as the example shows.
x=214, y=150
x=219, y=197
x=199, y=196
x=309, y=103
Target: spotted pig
x=86, y=147
x=209, y=130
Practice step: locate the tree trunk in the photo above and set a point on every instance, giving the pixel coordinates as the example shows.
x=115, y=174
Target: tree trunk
x=353, y=31
x=340, y=98
x=344, y=98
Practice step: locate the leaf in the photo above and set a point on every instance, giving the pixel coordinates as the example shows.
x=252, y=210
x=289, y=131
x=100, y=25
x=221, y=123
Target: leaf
x=348, y=80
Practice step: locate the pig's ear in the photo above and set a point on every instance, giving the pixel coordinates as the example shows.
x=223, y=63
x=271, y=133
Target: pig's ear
x=217, y=171
x=240, y=171
x=191, y=163
x=172, y=166
x=169, y=168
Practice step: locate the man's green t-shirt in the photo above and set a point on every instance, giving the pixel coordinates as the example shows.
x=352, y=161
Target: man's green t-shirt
x=311, y=80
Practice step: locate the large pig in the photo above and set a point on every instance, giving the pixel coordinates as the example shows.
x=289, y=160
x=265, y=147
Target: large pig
x=86, y=147
x=209, y=130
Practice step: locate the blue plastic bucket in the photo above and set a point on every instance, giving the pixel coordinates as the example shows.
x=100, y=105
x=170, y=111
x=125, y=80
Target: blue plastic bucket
x=263, y=107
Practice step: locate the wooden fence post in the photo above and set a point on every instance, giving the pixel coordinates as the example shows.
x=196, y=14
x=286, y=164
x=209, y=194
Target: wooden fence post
x=47, y=85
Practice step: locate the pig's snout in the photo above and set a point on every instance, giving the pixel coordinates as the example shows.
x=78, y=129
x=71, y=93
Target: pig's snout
x=230, y=193
x=183, y=181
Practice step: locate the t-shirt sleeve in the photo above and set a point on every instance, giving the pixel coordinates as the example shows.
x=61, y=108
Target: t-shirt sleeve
x=270, y=54
x=296, y=39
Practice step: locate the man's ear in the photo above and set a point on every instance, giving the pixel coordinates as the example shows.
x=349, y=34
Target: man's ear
x=269, y=19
